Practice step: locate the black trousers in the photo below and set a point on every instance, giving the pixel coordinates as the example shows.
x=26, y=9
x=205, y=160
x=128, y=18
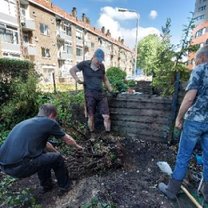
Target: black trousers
x=42, y=165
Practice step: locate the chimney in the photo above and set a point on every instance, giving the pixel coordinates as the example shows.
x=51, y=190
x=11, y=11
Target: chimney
x=83, y=17
x=119, y=39
x=103, y=29
x=108, y=33
x=122, y=41
x=74, y=12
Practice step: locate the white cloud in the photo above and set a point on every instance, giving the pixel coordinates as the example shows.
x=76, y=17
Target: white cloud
x=153, y=14
x=110, y=18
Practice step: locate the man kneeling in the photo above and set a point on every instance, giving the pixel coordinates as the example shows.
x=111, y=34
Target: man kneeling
x=23, y=152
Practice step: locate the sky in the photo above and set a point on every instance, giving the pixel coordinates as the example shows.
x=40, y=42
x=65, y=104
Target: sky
x=151, y=16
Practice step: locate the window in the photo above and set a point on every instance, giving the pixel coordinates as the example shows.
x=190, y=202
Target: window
x=67, y=48
x=9, y=35
x=78, y=51
x=201, y=32
x=78, y=35
x=44, y=29
x=45, y=52
x=202, y=8
x=199, y=17
x=92, y=45
x=67, y=29
x=9, y=7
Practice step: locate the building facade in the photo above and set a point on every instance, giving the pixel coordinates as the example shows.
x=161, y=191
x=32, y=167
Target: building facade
x=9, y=29
x=55, y=40
x=200, y=32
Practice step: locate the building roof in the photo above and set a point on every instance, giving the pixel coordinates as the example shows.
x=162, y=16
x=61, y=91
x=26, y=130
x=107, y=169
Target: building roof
x=50, y=7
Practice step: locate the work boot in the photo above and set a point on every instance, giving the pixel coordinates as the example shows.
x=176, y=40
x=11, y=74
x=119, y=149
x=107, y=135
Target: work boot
x=204, y=191
x=171, y=189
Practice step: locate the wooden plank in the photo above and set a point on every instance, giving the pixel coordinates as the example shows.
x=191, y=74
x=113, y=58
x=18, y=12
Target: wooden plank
x=140, y=105
x=144, y=98
x=140, y=119
x=139, y=112
x=135, y=126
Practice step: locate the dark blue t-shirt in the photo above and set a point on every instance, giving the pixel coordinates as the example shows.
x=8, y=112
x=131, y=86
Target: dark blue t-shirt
x=93, y=79
x=28, y=139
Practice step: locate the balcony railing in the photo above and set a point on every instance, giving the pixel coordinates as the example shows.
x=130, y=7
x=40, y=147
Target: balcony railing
x=30, y=50
x=62, y=55
x=28, y=24
x=10, y=47
x=63, y=36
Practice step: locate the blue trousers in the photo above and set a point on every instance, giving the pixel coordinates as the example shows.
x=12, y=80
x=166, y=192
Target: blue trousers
x=192, y=133
x=42, y=165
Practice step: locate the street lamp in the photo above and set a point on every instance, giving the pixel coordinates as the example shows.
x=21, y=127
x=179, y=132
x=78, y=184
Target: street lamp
x=137, y=24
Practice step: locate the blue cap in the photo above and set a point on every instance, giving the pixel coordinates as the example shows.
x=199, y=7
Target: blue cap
x=99, y=54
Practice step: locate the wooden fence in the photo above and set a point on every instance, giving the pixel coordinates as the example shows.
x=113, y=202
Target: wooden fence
x=140, y=116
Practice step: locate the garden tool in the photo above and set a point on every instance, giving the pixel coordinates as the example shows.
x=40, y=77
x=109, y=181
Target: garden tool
x=165, y=168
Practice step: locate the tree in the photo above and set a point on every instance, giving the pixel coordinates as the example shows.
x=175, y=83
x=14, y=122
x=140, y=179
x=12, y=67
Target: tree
x=158, y=57
x=147, y=53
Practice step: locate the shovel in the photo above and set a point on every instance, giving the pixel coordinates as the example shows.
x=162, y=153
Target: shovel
x=165, y=168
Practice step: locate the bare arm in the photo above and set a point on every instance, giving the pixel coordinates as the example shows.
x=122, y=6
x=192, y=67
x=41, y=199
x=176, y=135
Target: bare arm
x=107, y=83
x=70, y=141
x=51, y=148
x=73, y=72
x=185, y=105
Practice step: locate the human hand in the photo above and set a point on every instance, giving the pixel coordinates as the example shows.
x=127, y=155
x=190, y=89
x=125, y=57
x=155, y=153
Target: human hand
x=179, y=123
x=80, y=81
x=79, y=147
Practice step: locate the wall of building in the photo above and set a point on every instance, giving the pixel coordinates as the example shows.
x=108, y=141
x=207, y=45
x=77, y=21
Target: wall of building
x=9, y=29
x=200, y=32
x=56, y=40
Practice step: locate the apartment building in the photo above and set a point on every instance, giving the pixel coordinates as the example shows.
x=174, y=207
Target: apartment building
x=200, y=32
x=56, y=40
x=9, y=29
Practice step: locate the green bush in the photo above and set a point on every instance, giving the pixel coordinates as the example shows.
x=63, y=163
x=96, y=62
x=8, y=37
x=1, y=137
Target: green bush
x=22, y=104
x=117, y=79
x=11, y=69
x=131, y=83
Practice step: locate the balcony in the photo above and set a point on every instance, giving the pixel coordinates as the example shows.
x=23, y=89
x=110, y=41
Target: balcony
x=61, y=35
x=10, y=47
x=79, y=42
x=9, y=19
x=29, y=50
x=62, y=55
x=28, y=24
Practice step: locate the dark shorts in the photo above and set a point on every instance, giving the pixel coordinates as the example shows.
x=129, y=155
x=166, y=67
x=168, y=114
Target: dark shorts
x=96, y=100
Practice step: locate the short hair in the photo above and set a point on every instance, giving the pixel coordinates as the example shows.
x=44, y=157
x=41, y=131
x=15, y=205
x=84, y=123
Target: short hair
x=202, y=51
x=47, y=109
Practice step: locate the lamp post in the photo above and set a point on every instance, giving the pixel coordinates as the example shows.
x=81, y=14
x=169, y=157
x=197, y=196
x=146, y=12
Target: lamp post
x=136, y=40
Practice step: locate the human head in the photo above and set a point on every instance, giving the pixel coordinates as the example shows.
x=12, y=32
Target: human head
x=99, y=55
x=48, y=110
x=201, y=55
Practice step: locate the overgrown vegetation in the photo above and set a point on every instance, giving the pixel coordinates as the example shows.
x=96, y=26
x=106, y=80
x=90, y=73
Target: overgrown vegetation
x=159, y=58
x=10, y=198
x=117, y=79
x=20, y=100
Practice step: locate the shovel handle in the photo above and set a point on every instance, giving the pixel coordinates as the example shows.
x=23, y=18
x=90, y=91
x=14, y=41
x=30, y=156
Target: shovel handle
x=196, y=203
